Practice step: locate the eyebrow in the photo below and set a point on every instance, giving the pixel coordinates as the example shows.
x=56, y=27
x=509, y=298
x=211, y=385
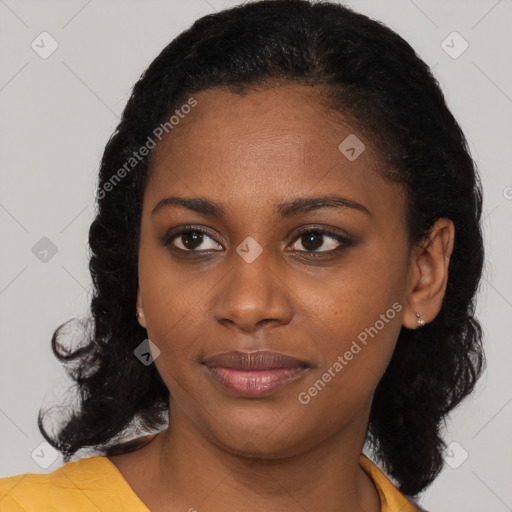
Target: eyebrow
x=287, y=209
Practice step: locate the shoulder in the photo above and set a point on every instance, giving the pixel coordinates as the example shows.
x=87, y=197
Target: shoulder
x=80, y=486
x=85, y=485
x=392, y=500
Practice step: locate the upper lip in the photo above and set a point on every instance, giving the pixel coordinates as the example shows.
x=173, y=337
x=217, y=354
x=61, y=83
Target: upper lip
x=258, y=360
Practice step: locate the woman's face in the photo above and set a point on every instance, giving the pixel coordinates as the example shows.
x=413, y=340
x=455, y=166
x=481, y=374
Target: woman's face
x=245, y=277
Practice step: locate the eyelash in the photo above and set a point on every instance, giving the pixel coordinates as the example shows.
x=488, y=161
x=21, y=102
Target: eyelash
x=344, y=241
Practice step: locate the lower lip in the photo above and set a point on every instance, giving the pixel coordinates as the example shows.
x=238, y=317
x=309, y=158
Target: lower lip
x=255, y=383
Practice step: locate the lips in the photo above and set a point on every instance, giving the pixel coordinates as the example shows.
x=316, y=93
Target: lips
x=259, y=360
x=254, y=374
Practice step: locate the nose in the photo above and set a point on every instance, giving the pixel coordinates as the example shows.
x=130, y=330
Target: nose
x=253, y=295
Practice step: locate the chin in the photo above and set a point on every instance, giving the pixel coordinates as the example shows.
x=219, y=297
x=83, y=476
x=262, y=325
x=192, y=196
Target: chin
x=260, y=430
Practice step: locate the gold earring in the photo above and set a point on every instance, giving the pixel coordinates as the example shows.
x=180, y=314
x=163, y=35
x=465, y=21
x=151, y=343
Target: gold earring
x=420, y=320
x=138, y=313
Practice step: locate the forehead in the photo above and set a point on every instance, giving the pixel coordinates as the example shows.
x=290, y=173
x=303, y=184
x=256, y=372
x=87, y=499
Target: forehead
x=287, y=120
x=267, y=144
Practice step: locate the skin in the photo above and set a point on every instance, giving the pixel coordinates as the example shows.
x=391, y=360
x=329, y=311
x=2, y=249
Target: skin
x=249, y=153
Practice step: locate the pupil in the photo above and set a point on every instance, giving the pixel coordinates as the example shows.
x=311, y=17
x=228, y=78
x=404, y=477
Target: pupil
x=313, y=241
x=194, y=236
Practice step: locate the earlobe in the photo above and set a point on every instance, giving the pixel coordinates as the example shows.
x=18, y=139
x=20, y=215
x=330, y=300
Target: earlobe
x=428, y=275
x=140, y=310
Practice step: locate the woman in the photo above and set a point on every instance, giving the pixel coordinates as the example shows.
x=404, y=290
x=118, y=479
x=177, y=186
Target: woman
x=285, y=258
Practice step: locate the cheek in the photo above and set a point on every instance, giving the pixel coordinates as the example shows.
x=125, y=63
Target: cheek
x=173, y=296
x=170, y=306
x=354, y=317
x=352, y=297
x=353, y=352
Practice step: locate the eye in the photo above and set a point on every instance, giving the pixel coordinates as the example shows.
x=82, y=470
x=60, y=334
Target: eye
x=320, y=241
x=313, y=241
x=192, y=239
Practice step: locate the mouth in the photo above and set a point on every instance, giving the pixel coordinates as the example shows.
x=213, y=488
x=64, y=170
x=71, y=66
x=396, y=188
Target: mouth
x=254, y=374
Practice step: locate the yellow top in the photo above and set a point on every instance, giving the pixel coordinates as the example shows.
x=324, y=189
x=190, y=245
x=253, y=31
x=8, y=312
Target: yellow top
x=95, y=484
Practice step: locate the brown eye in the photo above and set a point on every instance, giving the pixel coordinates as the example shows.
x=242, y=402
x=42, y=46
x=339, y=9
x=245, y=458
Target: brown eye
x=313, y=240
x=193, y=240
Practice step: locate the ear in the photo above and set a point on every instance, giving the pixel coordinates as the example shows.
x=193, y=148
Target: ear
x=428, y=274
x=140, y=310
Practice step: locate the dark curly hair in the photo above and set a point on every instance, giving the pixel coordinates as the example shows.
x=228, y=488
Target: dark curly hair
x=368, y=73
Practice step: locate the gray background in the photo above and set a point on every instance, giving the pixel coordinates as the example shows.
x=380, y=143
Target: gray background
x=56, y=116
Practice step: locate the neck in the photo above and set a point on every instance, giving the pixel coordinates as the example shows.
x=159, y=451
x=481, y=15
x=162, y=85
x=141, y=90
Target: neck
x=195, y=473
